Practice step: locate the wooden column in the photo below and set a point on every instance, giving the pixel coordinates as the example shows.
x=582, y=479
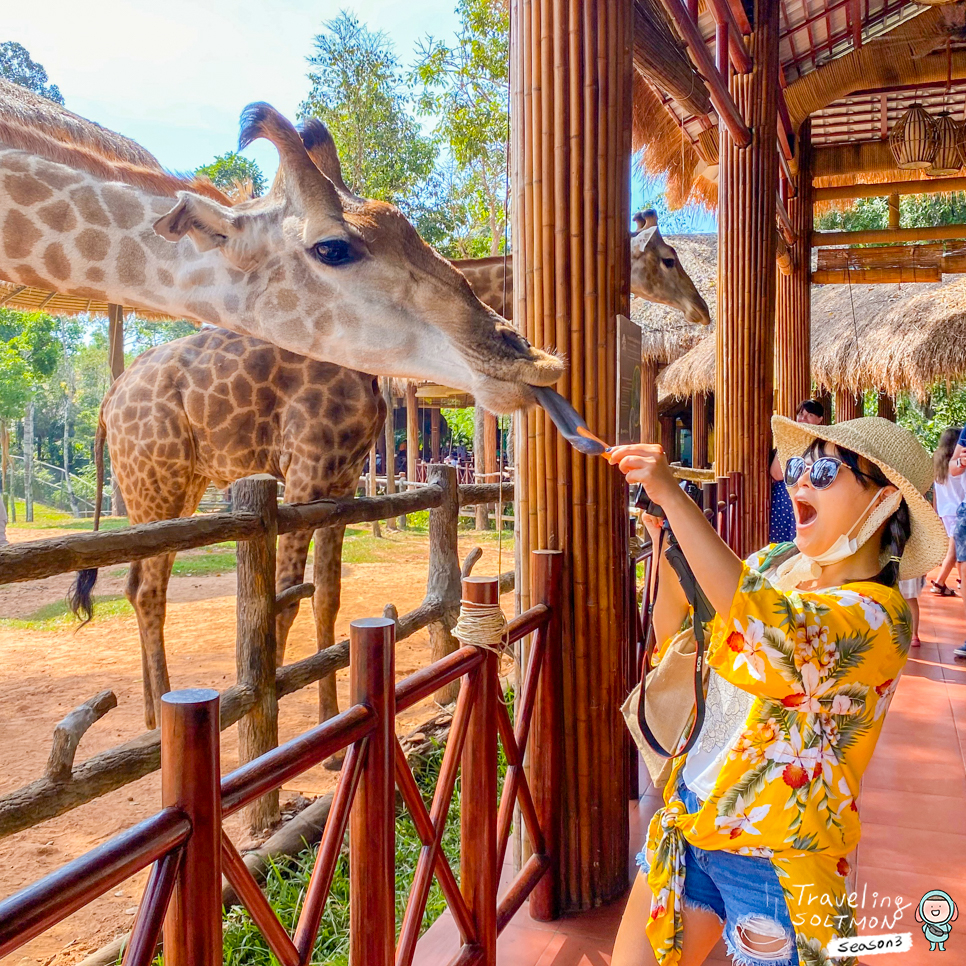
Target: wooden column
x=649, y=427
x=571, y=121
x=887, y=407
x=893, y=211
x=825, y=398
x=848, y=405
x=115, y=359
x=412, y=432
x=479, y=464
x=699, y=430
x=747, y=184
x=793, y=321
x=434, y=434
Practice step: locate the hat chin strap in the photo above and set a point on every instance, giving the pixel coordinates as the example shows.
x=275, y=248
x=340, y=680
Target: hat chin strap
x=801, y=567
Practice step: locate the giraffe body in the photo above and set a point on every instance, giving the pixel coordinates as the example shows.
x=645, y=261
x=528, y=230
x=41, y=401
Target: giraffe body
x=216, y=407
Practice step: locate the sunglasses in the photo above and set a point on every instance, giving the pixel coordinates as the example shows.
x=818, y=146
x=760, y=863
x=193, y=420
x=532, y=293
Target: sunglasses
x=821, y=473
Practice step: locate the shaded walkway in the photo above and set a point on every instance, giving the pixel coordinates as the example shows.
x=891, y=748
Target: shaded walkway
x=913, y=806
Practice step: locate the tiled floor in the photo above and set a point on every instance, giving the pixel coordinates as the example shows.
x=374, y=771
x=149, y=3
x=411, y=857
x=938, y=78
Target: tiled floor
x=913, y=808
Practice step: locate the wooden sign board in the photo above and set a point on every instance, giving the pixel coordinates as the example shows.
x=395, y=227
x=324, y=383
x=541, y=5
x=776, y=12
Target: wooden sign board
x=628, y=381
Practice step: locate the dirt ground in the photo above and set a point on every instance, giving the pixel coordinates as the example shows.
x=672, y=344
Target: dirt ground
x=44, y=674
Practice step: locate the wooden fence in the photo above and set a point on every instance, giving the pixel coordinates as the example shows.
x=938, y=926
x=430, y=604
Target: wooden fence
x=188, y=850
x=255, y=521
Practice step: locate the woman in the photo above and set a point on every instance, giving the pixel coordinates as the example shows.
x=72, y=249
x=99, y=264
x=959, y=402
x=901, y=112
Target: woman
x=759, y=816
x=949, y=494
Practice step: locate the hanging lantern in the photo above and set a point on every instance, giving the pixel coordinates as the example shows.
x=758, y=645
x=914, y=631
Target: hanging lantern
x=914, y=139
x=947, y=160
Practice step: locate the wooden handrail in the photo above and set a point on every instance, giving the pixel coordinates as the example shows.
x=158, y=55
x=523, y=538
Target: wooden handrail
x=47, y=902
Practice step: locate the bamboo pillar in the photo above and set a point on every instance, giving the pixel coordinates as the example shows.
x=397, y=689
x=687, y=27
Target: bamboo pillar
x=649, y=427
x=571, y=122
x=887, y=407
x=747, y=184
x=434, y=434
x=669, y=436
x=699, y=431
x=893, y=211
x=793, y=321
x=825, y=398
x=848, y=405
x=412, y=432
x=115, y=359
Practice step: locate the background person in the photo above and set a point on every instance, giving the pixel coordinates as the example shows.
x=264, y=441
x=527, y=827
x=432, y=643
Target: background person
x=781, y=521
x=760, y=815
x=957, y=467
x=950, y=492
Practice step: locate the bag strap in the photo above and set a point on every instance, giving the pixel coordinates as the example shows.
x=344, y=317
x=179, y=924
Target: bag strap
x=703, y=611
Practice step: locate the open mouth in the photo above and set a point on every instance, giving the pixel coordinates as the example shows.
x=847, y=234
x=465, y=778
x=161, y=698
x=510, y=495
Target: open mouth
x=569, y=422
x=805, y=513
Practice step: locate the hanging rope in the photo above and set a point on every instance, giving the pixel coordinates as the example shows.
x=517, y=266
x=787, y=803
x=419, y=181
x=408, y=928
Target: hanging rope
x=482, y=625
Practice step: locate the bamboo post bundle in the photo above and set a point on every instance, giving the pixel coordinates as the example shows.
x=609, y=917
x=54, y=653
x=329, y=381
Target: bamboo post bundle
x=699, y=431
x=748, y=180
x=793, y=320
x=649, y=426
x=571, y=118
x=848, y=405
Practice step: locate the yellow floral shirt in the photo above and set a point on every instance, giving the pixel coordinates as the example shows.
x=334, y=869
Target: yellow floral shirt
x=823, y=666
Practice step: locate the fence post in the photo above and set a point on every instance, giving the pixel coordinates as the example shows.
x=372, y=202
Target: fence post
x=191, y=781
x=443, y=582
x=372, y=823
x=255, y=635
x=479, y=876
x=546, y=735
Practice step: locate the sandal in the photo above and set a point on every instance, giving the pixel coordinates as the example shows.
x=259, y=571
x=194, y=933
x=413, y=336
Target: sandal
x=915, y=642
x=941, y=590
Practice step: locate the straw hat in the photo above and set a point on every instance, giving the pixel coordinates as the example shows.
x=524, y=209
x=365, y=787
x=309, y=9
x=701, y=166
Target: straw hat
x=902, y=459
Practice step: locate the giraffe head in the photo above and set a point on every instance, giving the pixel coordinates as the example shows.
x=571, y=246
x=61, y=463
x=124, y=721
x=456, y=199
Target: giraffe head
x=349, y=280
x=656, y=272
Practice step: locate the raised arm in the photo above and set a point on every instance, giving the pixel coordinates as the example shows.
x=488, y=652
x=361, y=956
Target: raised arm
x=716, y=567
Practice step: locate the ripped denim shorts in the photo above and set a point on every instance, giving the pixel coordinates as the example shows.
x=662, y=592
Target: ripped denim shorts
x=743, y=891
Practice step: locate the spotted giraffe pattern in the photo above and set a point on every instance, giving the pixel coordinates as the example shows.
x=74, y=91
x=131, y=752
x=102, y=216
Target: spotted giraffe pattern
x=216, y=407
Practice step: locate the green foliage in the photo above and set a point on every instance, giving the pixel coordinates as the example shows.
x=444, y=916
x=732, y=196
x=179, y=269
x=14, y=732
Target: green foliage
x=946, y=407
x=915, y=211
x=142, y=334
x=359, y=91
x=230, y=170
x=16, y=65
x=29, y=353
x=461, y=424
x=203, y=564
x=465, y=87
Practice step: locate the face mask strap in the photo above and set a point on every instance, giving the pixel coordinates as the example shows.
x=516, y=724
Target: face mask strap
x=878, y=516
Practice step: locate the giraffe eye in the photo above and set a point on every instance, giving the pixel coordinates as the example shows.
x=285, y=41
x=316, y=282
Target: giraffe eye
x=335, y=251
x=668, y=262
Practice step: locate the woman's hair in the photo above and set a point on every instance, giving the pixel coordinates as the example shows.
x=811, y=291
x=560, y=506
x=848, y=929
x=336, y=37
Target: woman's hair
x=812, y=406
x=944, y=453
x=898, y=527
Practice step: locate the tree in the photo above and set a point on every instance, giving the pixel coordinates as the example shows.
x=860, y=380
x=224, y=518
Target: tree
x=29, y=353
x=466, y=86
x=359, y=92
x=234, y=174
x=16, y=65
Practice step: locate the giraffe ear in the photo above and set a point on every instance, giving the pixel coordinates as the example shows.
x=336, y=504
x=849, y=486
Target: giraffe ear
x=208, y=224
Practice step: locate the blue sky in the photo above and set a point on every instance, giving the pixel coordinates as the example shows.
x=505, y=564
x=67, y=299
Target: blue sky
x=174, y=75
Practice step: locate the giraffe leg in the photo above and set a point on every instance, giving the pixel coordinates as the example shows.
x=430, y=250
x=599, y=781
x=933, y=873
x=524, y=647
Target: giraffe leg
x=327, y=574
x=293, y=549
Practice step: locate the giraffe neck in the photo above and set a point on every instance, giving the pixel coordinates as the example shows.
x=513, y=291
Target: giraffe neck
x=491, y=279
x=67, y=231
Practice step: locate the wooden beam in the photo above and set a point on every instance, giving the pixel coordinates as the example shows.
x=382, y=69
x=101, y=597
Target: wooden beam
x=888, y=236
x=875, y=276
x=784, y=223
x=926, y=186
x=725, y=16
x=723, y=102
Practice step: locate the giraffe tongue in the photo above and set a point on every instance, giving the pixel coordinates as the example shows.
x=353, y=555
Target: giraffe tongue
x=569, y=422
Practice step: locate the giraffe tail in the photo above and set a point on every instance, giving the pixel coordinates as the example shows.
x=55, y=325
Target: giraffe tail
x=80, y=597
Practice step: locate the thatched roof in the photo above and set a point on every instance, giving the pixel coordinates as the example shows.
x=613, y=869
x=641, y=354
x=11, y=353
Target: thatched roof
x=667, y=335
x=887, y=337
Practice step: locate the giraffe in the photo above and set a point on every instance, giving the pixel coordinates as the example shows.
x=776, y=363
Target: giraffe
x=309, y=267
x=214, y=407
x=656, y=275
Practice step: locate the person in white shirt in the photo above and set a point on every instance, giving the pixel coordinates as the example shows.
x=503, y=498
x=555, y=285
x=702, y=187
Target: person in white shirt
x=950, y=491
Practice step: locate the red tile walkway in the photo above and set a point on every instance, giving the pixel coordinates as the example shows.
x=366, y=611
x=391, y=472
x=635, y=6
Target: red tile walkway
x=913, y=806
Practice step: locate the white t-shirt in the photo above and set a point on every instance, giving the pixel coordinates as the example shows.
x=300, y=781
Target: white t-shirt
x=950, y=494
x=725, y=713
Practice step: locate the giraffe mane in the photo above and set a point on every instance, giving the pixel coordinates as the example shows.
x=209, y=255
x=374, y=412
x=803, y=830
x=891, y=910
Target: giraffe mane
x=82, y=158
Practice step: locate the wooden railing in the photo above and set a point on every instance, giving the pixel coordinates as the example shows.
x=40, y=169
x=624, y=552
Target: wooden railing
x=255, y=521
x=187, y=848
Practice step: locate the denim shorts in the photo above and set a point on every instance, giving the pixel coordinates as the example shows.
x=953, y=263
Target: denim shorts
x=959, y=533
x=743, y=891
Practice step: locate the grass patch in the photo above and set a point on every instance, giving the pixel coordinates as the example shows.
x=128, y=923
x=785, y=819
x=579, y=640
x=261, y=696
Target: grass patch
x=57, y=614
x=44, y=516
x=203, y=564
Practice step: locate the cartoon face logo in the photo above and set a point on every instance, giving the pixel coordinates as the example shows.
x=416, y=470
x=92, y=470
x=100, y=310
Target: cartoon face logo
x=937, y=912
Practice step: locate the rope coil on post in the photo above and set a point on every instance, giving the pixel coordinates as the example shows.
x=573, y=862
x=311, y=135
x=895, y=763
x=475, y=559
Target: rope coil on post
x=481, y=621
